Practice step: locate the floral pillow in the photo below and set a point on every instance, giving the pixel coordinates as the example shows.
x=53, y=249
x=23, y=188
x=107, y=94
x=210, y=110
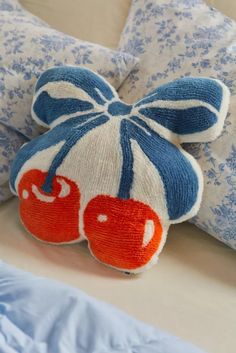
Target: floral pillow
x=10, y=5
x=177, y=38
x=28, y=47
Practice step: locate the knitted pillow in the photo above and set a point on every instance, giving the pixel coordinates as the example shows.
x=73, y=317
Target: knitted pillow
x=28, y=46
x=112, y=173
x=181, y=38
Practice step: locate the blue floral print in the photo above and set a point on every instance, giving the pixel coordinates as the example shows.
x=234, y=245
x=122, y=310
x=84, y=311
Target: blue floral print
x=28, y=47
x=178, y=38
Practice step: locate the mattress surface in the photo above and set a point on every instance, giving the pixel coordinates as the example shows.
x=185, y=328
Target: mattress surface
x=191, y=292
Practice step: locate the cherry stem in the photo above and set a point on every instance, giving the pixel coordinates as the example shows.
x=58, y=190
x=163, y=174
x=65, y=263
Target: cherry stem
x=69, y=143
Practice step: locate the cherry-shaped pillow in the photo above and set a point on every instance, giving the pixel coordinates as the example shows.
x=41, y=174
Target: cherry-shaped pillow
x=112, y=173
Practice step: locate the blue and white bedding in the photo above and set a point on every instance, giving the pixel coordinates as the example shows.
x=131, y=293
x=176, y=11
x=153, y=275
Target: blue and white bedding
x=38, y=315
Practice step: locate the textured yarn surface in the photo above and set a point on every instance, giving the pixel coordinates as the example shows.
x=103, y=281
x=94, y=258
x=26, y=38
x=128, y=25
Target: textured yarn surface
x=112, y=173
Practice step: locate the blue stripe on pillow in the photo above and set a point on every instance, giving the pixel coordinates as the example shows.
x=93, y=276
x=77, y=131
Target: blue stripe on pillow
x=72, y=139
x=127, y=172
x=179, y=178
x=182, y=121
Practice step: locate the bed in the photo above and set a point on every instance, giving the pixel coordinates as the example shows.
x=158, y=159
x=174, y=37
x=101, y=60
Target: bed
x=192, y=291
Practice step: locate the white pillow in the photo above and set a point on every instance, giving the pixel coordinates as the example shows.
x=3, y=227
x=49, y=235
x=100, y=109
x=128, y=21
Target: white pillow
x=175, y=38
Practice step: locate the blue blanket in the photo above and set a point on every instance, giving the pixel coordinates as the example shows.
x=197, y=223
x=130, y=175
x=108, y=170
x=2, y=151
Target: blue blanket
x=38, y=315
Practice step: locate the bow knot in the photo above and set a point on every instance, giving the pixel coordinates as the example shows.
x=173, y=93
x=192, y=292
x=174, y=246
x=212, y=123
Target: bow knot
x=119, y=108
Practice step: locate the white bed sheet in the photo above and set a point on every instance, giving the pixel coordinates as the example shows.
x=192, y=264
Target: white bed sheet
x=191, y=292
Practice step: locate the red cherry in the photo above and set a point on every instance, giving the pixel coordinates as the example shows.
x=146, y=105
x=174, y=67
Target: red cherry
x=122, y=233
x=51, y=217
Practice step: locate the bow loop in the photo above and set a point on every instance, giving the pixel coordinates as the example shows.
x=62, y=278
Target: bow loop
x=192, y=109
x=65, y=92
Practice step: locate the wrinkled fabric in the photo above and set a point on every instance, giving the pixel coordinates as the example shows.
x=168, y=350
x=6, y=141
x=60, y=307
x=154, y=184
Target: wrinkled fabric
x=38, y=315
